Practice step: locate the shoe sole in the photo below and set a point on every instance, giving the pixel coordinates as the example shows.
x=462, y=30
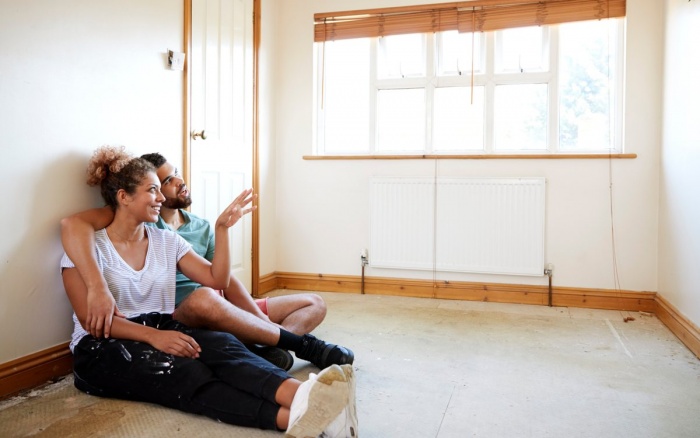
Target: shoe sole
x=345, y=425
x=351, y=409
x=328, y=396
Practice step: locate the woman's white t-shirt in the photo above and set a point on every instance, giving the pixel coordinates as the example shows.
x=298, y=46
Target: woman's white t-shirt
x=151, y=289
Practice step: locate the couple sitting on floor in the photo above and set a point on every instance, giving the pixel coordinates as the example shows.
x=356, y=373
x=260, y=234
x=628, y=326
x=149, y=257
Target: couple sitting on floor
x=151, y=323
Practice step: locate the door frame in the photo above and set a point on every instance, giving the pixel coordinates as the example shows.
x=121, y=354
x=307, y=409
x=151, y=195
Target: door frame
x=187, y=127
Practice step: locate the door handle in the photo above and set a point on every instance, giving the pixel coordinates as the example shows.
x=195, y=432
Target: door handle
x=201, y=134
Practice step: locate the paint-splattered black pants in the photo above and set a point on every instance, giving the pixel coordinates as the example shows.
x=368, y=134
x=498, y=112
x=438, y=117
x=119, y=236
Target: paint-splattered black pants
x=227, y=382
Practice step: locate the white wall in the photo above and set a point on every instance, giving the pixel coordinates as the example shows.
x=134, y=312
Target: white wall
x=679, y=224
x=323, y=206
x=74, y=75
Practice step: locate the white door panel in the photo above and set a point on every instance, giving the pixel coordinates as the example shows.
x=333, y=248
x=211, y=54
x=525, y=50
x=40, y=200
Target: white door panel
x=221, y=69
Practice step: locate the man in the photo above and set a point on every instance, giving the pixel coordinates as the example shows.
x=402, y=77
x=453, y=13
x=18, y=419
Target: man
x=269, y=327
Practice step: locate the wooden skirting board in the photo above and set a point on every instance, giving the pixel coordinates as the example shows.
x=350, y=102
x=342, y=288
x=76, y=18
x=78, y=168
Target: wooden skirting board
x=35, y=369
x=684, y=329
x=453, y=290
x=38, y=368
x=650, y=302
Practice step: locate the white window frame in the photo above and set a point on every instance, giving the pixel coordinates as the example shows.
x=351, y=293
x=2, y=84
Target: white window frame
x=489, y=79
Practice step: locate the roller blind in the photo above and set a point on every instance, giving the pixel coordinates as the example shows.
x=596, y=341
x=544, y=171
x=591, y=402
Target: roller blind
x=466, y=16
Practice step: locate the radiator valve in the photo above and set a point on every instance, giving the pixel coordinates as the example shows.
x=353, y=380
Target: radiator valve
x=549, y=269
x=364, y=258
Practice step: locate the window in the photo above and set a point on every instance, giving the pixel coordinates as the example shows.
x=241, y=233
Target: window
x=535, y=89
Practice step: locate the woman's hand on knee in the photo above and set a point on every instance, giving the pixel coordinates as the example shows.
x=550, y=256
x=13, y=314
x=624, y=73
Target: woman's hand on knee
x=175, y=343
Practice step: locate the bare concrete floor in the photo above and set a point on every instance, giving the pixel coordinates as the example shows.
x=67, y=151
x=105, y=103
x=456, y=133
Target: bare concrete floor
x=443, y=369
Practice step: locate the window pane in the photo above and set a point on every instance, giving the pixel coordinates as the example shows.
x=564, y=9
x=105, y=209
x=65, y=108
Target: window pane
x=402, y=56
x=401, y=120
x=458, y=124
x=520, y=121
x=455, y=53
x=521, y=50
x=585, y=86
x=346, y=96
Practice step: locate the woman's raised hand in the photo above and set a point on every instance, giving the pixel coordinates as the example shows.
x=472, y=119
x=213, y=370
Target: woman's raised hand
x=240, y=206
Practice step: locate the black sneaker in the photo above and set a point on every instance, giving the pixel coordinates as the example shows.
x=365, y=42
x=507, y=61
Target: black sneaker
x=276, y=356
x=323, y=354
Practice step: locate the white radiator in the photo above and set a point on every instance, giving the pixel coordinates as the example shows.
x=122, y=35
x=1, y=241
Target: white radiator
x=476, y=225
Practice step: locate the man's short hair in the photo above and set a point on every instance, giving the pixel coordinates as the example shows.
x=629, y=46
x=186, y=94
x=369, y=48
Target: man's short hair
x=155, y=158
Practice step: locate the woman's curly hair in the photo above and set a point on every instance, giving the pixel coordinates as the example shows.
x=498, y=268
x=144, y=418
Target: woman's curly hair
x=113, y=169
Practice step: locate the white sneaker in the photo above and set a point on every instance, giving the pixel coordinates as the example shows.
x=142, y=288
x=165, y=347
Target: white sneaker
x=352, y=409
x=318, y=402
x=345, y=424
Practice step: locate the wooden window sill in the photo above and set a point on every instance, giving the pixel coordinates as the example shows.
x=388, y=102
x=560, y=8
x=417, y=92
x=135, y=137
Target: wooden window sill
x=472, y=157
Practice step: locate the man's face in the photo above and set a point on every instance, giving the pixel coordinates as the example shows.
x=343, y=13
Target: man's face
x=173, y=187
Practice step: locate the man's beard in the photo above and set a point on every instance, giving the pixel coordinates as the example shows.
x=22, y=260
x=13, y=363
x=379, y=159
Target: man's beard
x=177, y=203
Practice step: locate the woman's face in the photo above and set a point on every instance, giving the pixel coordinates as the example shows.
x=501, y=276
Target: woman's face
x=145, y=202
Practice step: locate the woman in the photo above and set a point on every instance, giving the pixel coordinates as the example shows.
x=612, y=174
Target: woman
x=151, y=357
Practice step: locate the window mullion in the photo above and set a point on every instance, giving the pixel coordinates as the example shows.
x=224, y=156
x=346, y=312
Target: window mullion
x=553, y=134
x=489, y=93
x=616, y=110
x=431, y=80
x=320, y=121
x=373, y=85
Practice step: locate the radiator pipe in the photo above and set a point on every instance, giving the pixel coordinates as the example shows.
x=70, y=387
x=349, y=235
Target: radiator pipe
x=363, y=259
x=362, y=287
x=548, y=271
